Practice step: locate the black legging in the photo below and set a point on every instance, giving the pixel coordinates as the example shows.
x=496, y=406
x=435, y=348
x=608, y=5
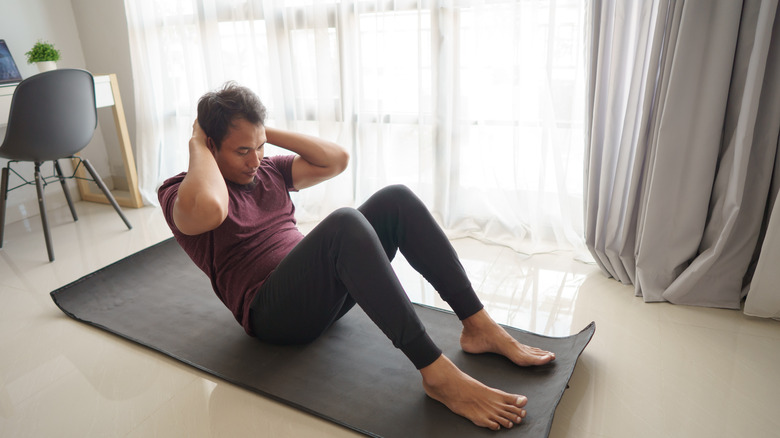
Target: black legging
x=346, y=259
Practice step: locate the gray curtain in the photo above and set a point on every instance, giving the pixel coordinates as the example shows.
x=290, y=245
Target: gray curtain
x=682, y=164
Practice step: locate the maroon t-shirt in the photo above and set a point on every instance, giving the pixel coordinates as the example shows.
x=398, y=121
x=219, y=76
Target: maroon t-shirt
x=259, y=231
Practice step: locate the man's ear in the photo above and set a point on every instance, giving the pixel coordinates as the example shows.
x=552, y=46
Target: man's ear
x=211, y=145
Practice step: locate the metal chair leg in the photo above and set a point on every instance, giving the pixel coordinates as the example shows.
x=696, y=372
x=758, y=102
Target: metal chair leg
x=58, y=170
x=42, y=207
x=3, y=199
x=105, y=190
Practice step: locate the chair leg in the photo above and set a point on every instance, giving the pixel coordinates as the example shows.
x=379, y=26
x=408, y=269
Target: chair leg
x=3, y=199
x=42, y=206
x=105, y=190
x=58, y=169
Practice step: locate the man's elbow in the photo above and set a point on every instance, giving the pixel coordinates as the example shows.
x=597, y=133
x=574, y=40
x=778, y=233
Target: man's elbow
x=199, y=216
x=342, y=161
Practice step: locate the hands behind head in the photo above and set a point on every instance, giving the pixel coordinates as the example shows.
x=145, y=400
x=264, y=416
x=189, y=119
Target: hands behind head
x=199, y=138
x=197, y=131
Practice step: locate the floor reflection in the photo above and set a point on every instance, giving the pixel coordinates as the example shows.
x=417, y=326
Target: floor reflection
x=537, y=293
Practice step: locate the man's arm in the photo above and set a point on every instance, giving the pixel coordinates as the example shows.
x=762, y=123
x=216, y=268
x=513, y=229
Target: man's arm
x=202, y=202
x=318, y=160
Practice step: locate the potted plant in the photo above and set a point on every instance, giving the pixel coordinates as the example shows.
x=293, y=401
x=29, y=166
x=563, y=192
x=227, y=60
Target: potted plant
x=44, y=55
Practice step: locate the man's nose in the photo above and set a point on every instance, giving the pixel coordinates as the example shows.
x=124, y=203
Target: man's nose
x=254, y=160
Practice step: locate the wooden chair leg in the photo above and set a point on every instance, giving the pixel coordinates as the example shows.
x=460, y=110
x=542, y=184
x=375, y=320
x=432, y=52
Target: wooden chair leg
x=3, y=199
x=42, y=207
x=65, y=190
x=105, y=191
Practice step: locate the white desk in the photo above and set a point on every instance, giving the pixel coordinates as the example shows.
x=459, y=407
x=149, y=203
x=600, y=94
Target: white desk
x=106, y=94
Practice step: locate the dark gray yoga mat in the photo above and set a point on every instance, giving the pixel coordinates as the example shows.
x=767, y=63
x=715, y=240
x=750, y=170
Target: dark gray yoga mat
x=352, y=375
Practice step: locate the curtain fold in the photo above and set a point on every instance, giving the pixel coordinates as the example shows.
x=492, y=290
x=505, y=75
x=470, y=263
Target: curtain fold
x=683, y=144
x=763, y=298
x=477, y=106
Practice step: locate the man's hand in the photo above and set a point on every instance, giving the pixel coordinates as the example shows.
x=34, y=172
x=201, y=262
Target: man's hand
x=198, y=139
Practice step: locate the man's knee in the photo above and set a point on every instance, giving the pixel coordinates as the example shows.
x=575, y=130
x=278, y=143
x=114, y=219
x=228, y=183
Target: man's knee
x=397, y=192
x=348, y=224
x=345, y=217
x=402, y=197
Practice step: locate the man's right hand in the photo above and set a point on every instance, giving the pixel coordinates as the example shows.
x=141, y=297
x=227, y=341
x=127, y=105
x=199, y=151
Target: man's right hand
x=198, y=139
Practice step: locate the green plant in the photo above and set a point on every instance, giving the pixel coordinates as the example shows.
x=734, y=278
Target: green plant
x=42, y=51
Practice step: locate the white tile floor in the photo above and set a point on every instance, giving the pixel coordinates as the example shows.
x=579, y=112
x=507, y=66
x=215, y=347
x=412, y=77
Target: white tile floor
x=652, y=370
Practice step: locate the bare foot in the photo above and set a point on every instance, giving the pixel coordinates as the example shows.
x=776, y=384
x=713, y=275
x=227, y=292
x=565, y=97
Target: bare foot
x=483, y=335
x=467, y=397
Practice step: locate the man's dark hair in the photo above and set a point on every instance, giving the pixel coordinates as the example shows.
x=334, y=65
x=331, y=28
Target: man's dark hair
x=217, y=110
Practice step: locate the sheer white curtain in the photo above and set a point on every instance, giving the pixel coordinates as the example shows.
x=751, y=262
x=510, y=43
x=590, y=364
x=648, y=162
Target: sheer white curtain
x=477, y=106
x=685, y=120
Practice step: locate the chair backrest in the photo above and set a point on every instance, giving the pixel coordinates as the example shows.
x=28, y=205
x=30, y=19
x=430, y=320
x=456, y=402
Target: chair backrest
x=52, y=115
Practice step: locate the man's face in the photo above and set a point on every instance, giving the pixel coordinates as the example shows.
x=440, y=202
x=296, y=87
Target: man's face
x=241, y=151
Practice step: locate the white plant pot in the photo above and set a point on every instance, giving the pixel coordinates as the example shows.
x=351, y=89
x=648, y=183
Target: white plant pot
x=46, y=66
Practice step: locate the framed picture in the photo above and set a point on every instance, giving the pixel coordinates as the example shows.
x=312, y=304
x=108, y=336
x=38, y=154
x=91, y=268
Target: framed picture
x=9, y=74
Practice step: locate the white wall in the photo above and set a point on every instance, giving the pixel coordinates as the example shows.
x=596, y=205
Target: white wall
x=92, y=35
x=102, y=28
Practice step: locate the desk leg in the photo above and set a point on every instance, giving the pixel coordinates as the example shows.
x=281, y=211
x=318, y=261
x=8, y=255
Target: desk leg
x=133, y=196
x=126, y=147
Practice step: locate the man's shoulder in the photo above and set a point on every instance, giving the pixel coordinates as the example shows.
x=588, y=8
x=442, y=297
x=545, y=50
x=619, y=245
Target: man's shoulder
x=172, y=182
x=278, y=161
x=169, y=186
x=280, y=165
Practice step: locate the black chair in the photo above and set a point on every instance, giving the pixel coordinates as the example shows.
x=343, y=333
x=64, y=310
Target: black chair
x=53, y=116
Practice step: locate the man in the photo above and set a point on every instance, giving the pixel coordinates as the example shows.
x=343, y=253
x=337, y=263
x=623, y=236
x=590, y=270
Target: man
x=232, y=213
